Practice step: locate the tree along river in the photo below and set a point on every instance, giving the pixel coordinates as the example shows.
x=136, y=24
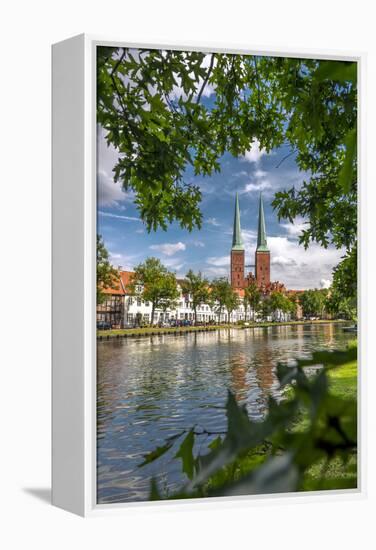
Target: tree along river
x=150, y=388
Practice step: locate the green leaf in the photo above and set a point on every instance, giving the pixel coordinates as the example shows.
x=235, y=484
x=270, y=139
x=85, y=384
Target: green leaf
x=185, y=452
x=277, y=475
x=154, y=491
x=285, y=374
x=330, y=358
x=239, y=425
x=153, y=455
x=336, y=70
x=346, y=173
x=215, y=443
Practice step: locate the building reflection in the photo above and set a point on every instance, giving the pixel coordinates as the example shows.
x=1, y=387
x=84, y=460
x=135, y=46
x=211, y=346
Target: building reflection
x=239, y=365
x=265, y=370
x=328, y=334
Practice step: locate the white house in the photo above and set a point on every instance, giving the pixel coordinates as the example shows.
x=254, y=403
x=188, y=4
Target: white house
x=122, y=309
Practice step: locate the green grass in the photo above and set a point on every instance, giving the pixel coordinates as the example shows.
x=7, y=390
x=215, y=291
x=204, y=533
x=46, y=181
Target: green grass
x=343, y=380
x=145, y=331
x=332, y=475
x=335, y=474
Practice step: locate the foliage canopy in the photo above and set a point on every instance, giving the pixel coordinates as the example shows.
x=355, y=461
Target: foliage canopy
x=107, y=276
x=152, y=106
x=197, y=287
x=153, y=283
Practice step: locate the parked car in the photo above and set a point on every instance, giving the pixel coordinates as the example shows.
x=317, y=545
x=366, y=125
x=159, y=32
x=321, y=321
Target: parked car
x=103, y=325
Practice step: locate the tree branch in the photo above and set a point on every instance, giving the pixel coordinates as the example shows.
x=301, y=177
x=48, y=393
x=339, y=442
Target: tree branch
x=286, y=157
x=206, y=79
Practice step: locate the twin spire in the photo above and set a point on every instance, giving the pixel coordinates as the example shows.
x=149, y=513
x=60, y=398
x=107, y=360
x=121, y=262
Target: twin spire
x=262, y=245
x=237, y=242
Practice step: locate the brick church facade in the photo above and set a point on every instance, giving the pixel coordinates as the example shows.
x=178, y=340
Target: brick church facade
x=261, y=274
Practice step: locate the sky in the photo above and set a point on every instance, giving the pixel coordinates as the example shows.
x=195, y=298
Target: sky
x=208, y=250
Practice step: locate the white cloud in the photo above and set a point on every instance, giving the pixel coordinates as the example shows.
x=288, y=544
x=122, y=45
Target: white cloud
x=259, y=181
x=109, y=193
x=325, y=283
x=249, y=238
x=124, y=261
x=118, y=216
x=174, y=263
x=198, y=244
x=215, y=272
x=240, y=174
x=255, y=153
x=296, y=228
x=168, y=249
x=298, y=268
x=257, y=186
x=213, y=221
x=260, y=174
x=282, y=261
x=219, y=260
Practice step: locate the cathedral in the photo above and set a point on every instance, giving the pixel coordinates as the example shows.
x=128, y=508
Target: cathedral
x=261, y=274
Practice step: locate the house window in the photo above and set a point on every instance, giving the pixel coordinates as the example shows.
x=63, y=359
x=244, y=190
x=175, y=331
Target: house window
x=138, y=301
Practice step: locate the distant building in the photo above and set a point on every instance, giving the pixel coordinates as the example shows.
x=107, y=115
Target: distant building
x=121, y=308
x=111, y=311
x=261, y=273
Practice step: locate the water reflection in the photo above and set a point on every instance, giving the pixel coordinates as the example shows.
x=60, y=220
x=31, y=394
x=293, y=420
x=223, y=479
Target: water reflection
x=151, y=388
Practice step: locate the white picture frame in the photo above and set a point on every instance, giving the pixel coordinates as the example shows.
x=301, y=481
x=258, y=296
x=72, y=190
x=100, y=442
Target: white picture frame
x=74, y=275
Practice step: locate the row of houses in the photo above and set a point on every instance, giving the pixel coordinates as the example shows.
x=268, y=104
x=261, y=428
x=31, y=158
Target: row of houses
x=122, y=309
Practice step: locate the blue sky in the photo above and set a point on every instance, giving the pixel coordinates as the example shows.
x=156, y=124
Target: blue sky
x=208, y=249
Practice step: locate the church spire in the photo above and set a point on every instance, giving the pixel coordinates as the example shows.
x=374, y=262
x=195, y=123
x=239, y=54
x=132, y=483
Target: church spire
x=237, y=243
x=262, y=245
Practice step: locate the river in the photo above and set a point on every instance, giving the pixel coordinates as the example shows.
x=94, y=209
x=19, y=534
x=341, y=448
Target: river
x=150, y=388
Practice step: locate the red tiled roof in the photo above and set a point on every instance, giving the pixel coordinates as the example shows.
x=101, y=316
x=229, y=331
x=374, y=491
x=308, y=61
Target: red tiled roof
x=120, y=289
x=126, y=279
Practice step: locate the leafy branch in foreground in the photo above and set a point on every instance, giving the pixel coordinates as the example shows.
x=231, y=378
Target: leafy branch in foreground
x=309, y=429
x=166, y=112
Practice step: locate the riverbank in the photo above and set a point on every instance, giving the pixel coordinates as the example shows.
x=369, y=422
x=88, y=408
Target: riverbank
x=152, y=331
